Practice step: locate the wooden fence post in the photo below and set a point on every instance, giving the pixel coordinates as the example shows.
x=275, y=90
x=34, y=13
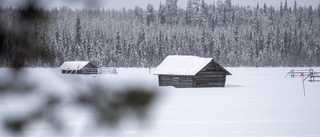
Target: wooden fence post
x=304, y=89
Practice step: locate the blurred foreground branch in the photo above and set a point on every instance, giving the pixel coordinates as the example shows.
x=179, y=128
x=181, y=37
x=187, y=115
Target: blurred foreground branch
x=18, y=50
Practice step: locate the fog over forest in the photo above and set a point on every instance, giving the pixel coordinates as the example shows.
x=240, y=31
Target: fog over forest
x=260, y=36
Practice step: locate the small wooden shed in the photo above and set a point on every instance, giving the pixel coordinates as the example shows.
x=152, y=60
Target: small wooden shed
x=191, y=71
x=78, y=67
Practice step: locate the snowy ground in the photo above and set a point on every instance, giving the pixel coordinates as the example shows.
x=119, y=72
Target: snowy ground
x=256, y=102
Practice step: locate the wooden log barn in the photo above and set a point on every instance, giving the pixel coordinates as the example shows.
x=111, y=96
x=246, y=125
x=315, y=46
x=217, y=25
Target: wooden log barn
x=78, y=67
x=191, y=71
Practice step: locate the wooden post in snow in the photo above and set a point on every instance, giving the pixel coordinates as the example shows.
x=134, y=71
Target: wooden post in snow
x=304, y=89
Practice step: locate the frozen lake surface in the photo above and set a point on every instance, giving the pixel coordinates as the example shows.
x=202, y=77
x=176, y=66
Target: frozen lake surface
x=256, y=102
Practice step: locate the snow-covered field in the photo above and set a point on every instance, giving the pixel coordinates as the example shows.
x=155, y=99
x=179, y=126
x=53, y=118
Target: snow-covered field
x=256, y=102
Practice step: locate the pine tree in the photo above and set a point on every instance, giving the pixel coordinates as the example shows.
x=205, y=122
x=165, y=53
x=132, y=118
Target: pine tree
x=171, y=12
x=204, y=13
x=150, y=14
x=161, y=14
x=78, y=29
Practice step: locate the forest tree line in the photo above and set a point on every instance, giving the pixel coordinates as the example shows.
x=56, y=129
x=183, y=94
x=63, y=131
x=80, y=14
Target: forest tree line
x=261, y=36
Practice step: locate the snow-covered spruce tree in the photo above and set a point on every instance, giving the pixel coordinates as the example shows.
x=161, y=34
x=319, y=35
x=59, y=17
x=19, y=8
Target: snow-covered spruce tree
x=171, y=12
x=150, y=14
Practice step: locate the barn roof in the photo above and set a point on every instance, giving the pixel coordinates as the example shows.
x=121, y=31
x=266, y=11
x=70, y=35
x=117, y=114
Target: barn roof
x=74, y=65
x=182, y=65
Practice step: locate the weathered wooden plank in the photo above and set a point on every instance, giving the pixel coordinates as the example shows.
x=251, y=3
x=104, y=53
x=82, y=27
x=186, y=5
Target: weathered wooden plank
x=210, y=73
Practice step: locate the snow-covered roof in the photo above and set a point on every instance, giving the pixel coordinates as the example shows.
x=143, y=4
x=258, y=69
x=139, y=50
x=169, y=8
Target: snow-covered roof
x=73, y=65
x=181, y=65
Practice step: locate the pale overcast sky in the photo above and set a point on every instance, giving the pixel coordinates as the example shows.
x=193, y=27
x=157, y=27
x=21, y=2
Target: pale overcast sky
x=118, y=4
